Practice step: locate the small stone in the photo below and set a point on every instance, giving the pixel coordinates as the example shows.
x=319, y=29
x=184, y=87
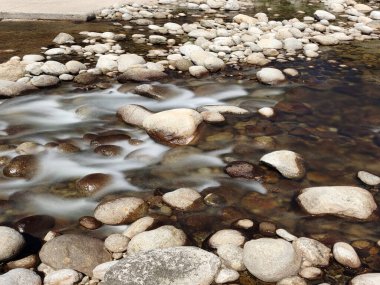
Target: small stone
x=62, y=277
x=368, y=178
x=198, y=71
x=285, y=235
x=324, y=15
x=311, y=273
x=294, y=280
x=245, y=224
x=346, y=255
x=231, y=256
x=182, y=198
x=74, y=66
x=291, y=72
x=226, y=237
x=28, y=262
x=12, y=242
x=267, y=229
x=63, y=38
x=288, y=163
x=266, y=112
x=270, y=76
x=226, y=275
x=116, y=243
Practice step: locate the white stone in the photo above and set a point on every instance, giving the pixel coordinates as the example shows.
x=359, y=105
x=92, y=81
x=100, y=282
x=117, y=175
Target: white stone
x=313, y=251
x=324, y=15
x=269, y=75
x=338, y=200
x=116, y=243
x=226, y=275
x=288, y=163
x=138, y=226
x=63, y=38
x=269, y=44
x=366, y=279
x=227, y=236
x=368, y=178
x=266, y=112
x=126, y=61
x=107, y=63
x=34, y=68
x=29, y=58
x=20, y=276
x=182, y=198
x=44, y=80
x=55, y=51
x=311, y=273
x=232, y=5
x=231, y=256
x=375, y=15
x=346, y=255
x=52, y=67
x=285, y=235
x=294, y=280
x=133, y=114
x=162, y=237
x=271, y=260
x=290, y=71
x=363, y=8
x=66, y=77
x=74, y=66
x=62, y=277
x=225, y=109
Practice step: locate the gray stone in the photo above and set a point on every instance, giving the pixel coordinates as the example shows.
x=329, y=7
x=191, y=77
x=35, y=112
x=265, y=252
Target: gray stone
x=313, y=251
x=12, y=70
x=126, y=61
x=73, y=251
x=74, y=66
x=140, y=74
x=12, y=242
x=368, y=178
x=20, y=276
x=174, y=266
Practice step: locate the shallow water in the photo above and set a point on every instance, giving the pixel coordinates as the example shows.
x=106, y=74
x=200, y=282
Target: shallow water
x=329, y=114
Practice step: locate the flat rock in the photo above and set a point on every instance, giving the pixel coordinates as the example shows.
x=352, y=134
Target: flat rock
x=162, y=237
x=62, y=277
x=182, y=198
x=271, y=260
x=174, y=266
x=288, y=163
x=346, y=201
x=73, y=251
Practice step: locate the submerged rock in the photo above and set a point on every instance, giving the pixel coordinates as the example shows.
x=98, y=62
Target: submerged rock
x=93, y=183
x=288, y=163
x=346, y=201
x=175, y=266
x=72, y=251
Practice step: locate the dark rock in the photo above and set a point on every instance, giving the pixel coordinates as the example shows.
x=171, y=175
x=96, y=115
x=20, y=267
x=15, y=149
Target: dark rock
x=37, y=225
x=23, y=166
x=78, y=252
x=90, y=223
x=67, y=148
x=86, y=78
x=244, y=169
x=92, y=183
x=293, y=108
x=108, y=150
x=267, y=229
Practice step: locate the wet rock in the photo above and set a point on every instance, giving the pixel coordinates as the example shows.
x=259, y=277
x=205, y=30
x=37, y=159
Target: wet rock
x=121, y=211
x=90, y=223
x=227, y=236
x=22, y=166
x=313, y=251
x=311, y=273
x=86, y=78
x=67, y=148
x=338, y=200
x=72, y=251
x=158, y=92
x=346, y=255
x=29, y=148
x=226, y=275
x=126, y=61
x=244, y=169
x=52, y=67
x=366, y=279
x=37, y=225
x=270, y=76
x=139, y=226
x=293, y=108
x=12, y=242
x=12, y=89
x=232, y=256
x=110, y=137
x=285, y=235
x=100, y=270
x=271, y=260
x=62, y=277
x=133, y=114
x=267, y=229
x=176, y=266
x=74, y=66
x=12, y=70
x=224, y=109
x=162, y=237
x=176, y=126
x=116, y=243
x=109, y=150
x=288, y=163
x=63, y=38
x=294, y=280
x=140, y=74
x=212, y=117
x=93, y=183
x=182, y=198
x=266, y=112
x=30, y=261
x=324, y=15
x=20, y=276
x=368, y=178
x=44, y=81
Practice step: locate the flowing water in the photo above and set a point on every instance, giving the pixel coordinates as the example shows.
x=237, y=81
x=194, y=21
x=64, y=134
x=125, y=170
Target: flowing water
x=330, y=114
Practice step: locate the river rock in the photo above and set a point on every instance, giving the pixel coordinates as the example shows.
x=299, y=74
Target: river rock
x=176, y=126
x=93, y=183
x=44, y=81
x=232, y=5
x=294, y=280
x=140, y=74
x=29, y=58
x=375, y=15
x=270, y=75
x=126, y=61
x=63, y=38
x=313, y=251
x=139, y=226
x=271, y=260
x=86, y=78
x=133, y=114
x=20, y=276
x=100, y=270
x=52, y=67
x=226, y=275
x=288, y=163
x=74, y=66
x=368, y=178
x=226, y=237
x=22, y=166
x=363, y=8
x=72, y=251
x=174, y=266
x=325, y=40
x=257, y=58
x=162, y=237
x=12, y=70
x=346, y=201
x=366, y=279
x=157, y=91
x=116, y=243
x=12, y=242
x=107, y=63
x=62, y=277
x=182, y=198
x=231, y=256
x=311, y=273
x=324, y=15
x=12, y=89
x=198, y=71
x=34, y=68
x=270, y=44
x=346, y=255
x=121, y=211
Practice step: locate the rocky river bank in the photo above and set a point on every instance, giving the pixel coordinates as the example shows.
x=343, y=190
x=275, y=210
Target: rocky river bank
x=198, y=142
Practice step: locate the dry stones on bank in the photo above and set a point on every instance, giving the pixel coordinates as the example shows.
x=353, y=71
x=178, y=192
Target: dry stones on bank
x=63, y=38
x=271, y=260
x=11, y=242
x=270, y=75
x=44, y=80
x=182, y=198
x=347, y=201
x=72, y=251
x=176, y=126
x=162, y=237
x=175, y=266
x=346, y=255
x=288, y=163
x=121, y=211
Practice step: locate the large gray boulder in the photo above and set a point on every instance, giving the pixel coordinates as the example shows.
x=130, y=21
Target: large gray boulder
x=73, y=251
x=174, y=266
